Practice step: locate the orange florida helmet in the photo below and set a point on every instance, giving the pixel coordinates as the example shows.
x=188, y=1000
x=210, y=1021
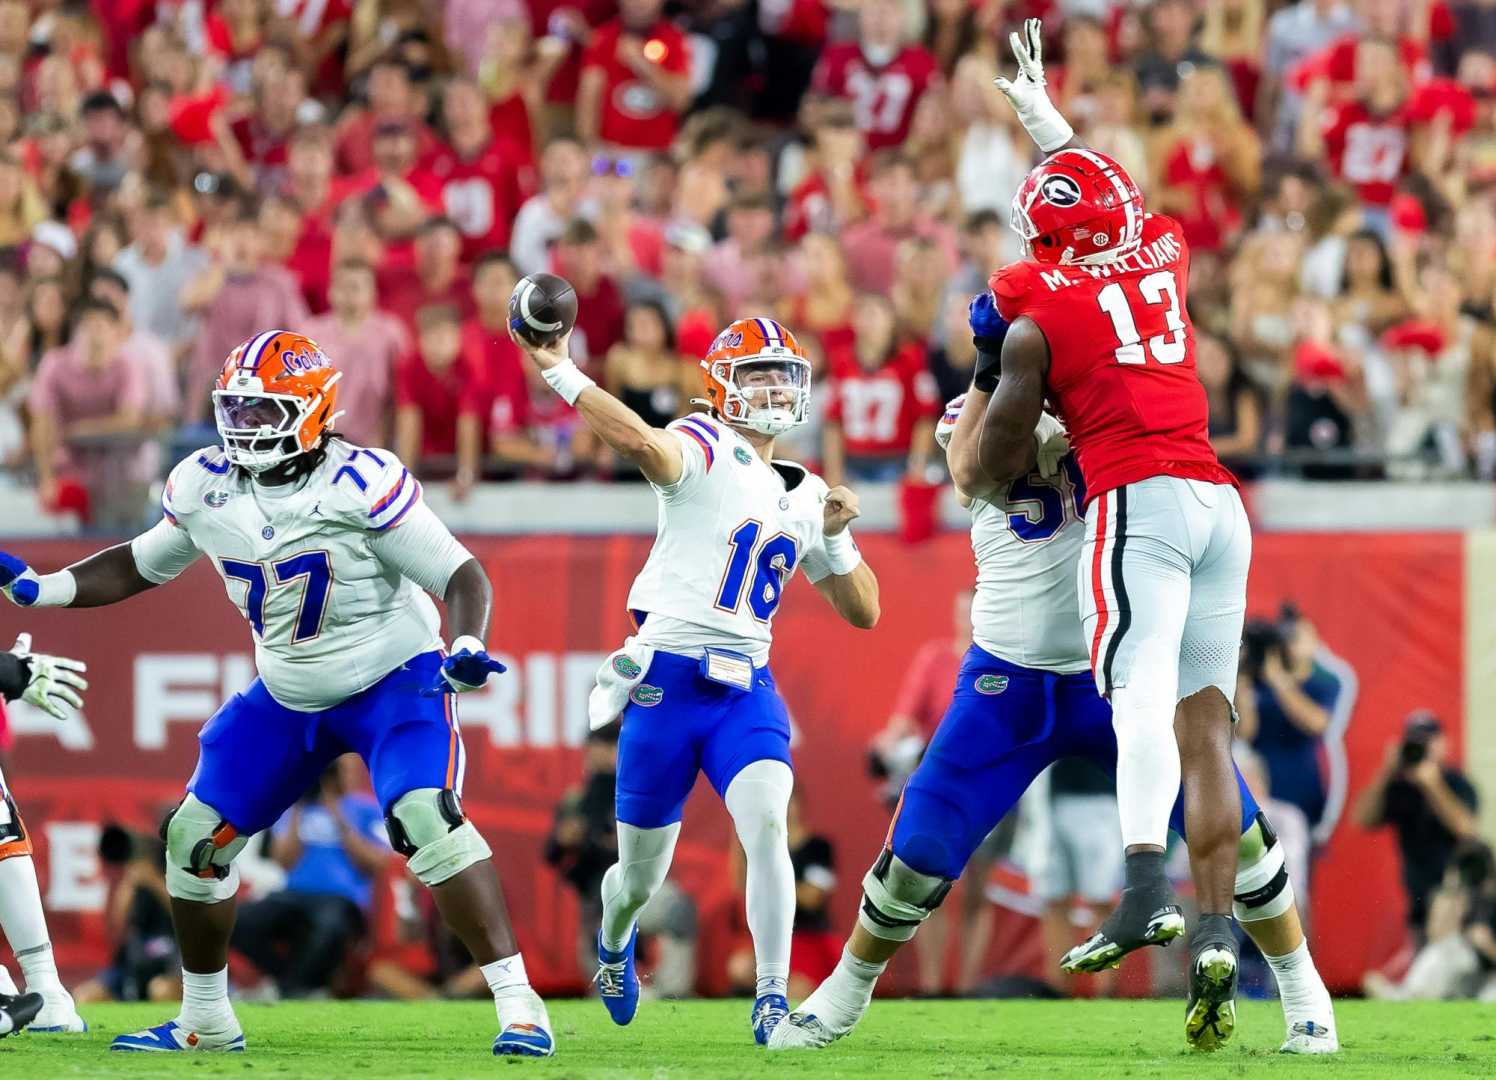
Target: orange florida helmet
x=758, y=377
x=274, y=399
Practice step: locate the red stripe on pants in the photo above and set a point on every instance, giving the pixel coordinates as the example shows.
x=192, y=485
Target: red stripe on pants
x=1096, y=590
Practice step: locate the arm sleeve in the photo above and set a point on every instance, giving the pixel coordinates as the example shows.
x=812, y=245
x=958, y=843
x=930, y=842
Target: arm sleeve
x=14, y=676
x=163, y=552
x=422, y=549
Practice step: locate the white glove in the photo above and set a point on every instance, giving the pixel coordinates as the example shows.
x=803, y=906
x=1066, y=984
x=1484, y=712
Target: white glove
x=55, y=680
x=947, y=425
x=1027, y=95
x=1053, y=444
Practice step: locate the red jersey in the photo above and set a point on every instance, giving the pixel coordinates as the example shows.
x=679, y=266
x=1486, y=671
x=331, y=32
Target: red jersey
x=481, y=195
x=878, y=409
x=633, y=113
x=443, y=397
x=883, y=98
x=1368, y=151
x=1121, y=360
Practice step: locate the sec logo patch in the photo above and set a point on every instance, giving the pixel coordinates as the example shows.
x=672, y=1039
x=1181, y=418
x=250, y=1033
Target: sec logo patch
x=992, y=684
x=647, y=696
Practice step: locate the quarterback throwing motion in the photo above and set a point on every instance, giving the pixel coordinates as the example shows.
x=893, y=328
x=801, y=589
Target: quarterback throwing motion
x=329, y=552
x=693, y=686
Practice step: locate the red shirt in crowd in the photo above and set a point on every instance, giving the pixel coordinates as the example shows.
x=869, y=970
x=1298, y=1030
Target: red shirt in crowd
x=563, y=86
x=503, y=372
x=600, y=319
x=810, y=209
x=883, y=98
x=926, y=689
x=1367, y=151
x=878, y=409
x=481, y=195
x=354, y=149
x=633, y=113
x=1212, y=216
x=443, y=398
x=402, y=294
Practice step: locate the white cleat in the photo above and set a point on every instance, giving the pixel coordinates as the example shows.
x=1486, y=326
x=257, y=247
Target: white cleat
x=7, y=984
x=1310, y=1037
x=58, y=1016
x=802, y=1031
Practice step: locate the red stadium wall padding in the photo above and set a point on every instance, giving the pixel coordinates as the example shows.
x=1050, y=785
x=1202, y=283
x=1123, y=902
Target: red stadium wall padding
x=1390, y=605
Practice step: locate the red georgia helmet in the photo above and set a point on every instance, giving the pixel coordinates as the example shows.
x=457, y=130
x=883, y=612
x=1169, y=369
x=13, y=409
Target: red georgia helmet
x=1078, y=206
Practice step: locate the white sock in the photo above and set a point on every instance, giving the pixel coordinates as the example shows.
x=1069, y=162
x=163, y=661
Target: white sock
x=205, y=1001
x=1300, y=987
x=506, y=975
x=758, y=800
x=24, y=924
x=840, y=1001
x=643, y=861
x=1148, y=771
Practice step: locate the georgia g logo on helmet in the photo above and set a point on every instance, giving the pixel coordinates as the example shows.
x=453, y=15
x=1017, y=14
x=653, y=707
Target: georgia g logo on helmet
x=1060, y=190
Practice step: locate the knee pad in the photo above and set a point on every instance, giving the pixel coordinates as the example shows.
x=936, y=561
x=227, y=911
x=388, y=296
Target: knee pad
x=1262, y=889
x=200, y=851
x=14, y=839
x=428, y=827
x=896, y=898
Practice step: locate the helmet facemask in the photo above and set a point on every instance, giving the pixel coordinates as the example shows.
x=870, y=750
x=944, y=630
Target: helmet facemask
x=768, y=393
x=261, y=429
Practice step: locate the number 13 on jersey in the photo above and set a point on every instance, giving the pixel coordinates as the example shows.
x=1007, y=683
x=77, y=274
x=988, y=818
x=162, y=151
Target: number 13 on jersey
x=1155, y=290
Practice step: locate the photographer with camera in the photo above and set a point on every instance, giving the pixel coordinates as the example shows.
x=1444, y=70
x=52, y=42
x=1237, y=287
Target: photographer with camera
x=1459, y=960
x=146, y=965
x=1287, y=698
x=1431, y=805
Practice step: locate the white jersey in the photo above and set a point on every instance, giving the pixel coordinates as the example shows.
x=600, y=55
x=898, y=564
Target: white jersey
x=1027, y=537
x=329, y=571
x=732, y=530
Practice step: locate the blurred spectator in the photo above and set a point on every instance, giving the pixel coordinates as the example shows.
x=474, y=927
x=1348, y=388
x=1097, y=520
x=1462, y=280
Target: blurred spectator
x=392, y=100
x=645, y=371
x=333, y=847
x=1369, y=295
x=583, y=841
x=1208, y=161
x=367, y=344
x=815, y=947
x=832, y=193
x=882, y=73
x=579, y=259
x=513, y=69
x=1430, y=358
x=1288, y=698
x=21, y=207
x=1170, y=55
x=476, y=173
x=750, y=228
x=238, y=296
x=436, y=276
x=102, y=160
x=440, y=398
x=158, y=263
x=1428, y=802
x=635, y=80
x=145, y=965
x=871, y=246
x=144, y=348
x=400, y=197
x=1327, y=393
x=1235, y=408
x=1459, y=960
x=1080, y=866
x=823, y=308
x=880, y=423
x=90, y=407
x=44, y=325
x=544, y=215
x=513, y=438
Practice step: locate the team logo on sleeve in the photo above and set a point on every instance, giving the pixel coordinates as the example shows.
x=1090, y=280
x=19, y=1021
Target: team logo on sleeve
x=216, y=500
x=992, y=684
x=626, y=667
x=1060, y=190
x=743, y=456
x=646, y=696
x=268, y=532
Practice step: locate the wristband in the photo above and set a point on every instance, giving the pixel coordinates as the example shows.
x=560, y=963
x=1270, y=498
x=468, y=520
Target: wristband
x=56, y=590
x=1048, y=128
x=841, y=552
x=988, y=366
x=468, y=642
x=567, y=380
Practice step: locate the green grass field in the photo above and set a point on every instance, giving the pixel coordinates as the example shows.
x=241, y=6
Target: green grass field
x=375, y=1041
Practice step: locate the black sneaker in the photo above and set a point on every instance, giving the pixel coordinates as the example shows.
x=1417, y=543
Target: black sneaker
x=17, y=1011
x=1148, y=914
x=1210, y=1016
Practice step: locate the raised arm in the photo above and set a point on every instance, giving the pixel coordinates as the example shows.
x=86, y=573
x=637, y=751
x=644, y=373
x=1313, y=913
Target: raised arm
x=1030, y=100
x=655, y=451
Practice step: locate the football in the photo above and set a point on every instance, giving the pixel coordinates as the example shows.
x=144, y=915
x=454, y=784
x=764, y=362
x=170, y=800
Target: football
x=542, y=308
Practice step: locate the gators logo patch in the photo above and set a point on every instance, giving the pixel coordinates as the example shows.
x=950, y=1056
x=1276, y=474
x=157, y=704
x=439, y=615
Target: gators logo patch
x=646, y=696
x=992, y=684
x=627, y=667
x=743, y=456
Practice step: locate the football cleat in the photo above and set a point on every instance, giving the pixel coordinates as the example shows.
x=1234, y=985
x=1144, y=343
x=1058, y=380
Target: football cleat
x=768, y=1012
x=172, y=1037
x=1210, y=1015
x=526, y=1027
x=801, y=1031
x=58, y=1014
x=1310, y=1037
x=617, y=980
x=17, y=1010
x=1146, y=915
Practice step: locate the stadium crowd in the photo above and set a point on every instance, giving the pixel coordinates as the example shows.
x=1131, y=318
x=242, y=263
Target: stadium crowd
x=178, y=174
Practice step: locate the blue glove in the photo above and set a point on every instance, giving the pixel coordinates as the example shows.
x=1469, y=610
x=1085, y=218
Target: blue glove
x=17, y=580
x=988, y=328
x=464, y=670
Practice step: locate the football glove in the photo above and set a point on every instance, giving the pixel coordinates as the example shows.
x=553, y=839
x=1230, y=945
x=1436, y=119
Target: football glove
x=18, y=581
x=1053, y=444
x=464, y=670
x=946, y=428
x=55, y=680
x=1027, y=95
x=988, y=328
